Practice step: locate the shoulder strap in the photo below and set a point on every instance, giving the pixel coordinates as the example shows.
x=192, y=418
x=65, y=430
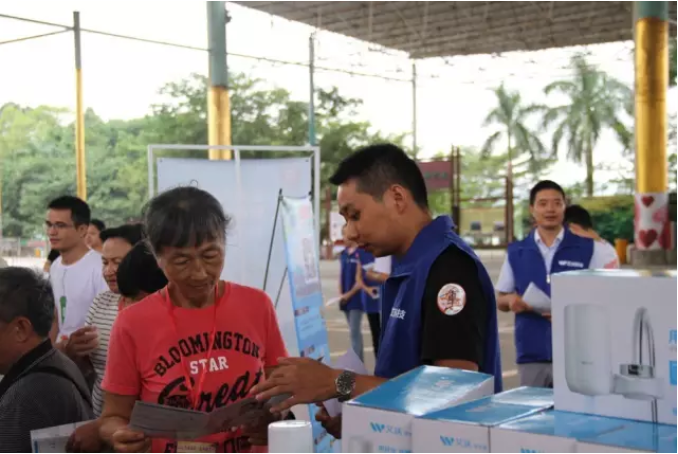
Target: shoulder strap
x=60, y=373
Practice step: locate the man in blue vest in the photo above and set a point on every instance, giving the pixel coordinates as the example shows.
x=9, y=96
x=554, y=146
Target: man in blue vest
x=550, y=248
x=438, y=304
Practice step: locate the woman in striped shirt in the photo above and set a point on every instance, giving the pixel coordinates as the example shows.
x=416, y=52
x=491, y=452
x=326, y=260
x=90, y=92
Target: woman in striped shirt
x=138, y=275
x=117, y=242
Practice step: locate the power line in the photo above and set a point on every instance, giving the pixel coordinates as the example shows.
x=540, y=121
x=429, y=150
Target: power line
x=275, y=61
x=202, y=49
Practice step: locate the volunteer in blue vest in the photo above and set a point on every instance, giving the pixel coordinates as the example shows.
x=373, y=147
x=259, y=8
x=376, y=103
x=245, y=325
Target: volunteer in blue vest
x=438, y=304
x=351, y=288
x=548, y=249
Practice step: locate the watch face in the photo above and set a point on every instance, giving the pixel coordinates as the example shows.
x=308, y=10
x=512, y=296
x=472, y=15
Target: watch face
x=345, y=383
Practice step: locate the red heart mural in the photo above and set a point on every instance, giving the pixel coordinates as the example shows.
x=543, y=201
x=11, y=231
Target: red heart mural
x=647, y=237
x=647, y=200
x=660, y=215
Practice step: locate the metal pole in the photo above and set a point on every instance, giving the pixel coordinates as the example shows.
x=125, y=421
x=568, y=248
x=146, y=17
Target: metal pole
x=218, y=102
x=651, y=85
x=311, y=99
x=80, y=165
x=414, y=109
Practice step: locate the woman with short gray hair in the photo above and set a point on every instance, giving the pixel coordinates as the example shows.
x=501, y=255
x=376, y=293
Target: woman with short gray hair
x=200, y=343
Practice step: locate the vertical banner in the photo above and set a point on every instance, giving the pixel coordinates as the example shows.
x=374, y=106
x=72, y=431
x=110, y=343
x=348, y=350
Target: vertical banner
x=303, y=271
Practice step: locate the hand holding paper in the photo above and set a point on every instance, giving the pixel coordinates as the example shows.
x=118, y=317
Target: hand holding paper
x=537, y=299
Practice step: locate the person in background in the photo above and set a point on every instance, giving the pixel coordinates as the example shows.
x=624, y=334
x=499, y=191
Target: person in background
x=382, y=195
x=138, y=276
x=41, y=387
x=93, y=238
x=76, y=274
x=374, y=278
x=351, y=289
x=579, y=221
x=51, y=257
x=210, y=341
x=93, y=347
x=548, y=249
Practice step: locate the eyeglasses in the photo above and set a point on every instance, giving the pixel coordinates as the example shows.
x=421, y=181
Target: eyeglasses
x=57, y=225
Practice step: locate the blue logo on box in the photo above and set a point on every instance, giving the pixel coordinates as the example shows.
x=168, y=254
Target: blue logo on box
x=456, y=441
x=386, y=429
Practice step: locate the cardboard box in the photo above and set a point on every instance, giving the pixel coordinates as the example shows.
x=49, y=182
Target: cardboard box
x=614, y=343
x=550, y=431
x=466, y=427
x=636, y=437
x=53, y=439
x=381, y=420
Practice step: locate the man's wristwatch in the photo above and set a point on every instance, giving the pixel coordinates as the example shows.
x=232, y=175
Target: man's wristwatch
x=345, y=384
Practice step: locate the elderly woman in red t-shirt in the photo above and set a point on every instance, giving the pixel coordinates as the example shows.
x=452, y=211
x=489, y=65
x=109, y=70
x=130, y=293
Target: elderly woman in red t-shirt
x=200, y=343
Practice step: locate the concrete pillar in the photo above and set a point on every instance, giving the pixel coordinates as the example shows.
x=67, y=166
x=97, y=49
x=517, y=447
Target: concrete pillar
x=218, y=101
x=652, y=231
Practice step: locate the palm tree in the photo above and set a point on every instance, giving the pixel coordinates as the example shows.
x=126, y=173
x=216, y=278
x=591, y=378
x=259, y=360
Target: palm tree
x=510, y=116
x=594, y=103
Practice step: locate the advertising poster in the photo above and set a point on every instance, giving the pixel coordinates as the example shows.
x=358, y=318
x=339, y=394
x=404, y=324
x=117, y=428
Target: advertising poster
x=303, y=271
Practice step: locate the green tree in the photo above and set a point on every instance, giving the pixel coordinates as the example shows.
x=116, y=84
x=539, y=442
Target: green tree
x=510, y=117
x=38, y=161
x=594, y=102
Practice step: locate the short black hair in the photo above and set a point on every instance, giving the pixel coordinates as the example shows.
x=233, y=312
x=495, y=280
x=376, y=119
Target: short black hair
x=26, y=293
x=377, y=167
x=139, y=272
x=542, y=186
x=53, y=255
x=132, y=233
x=184, y=216
x=80, y=212
x=577, y=214
x=99, y=224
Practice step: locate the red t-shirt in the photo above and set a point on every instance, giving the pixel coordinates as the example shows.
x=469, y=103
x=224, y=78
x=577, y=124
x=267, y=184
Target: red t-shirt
x=144, y=357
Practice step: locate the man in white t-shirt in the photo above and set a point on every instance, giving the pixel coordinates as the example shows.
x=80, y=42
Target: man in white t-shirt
x=76, y=276
x=580, y=223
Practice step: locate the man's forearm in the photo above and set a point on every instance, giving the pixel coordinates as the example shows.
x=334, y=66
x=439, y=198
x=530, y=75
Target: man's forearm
x=503, y=301
x=377, y=276
x=365, y=383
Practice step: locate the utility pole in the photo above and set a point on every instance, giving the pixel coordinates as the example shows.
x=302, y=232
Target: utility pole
x=218, y=101
x=80, y=162
x=414, y=108
x=311, y=97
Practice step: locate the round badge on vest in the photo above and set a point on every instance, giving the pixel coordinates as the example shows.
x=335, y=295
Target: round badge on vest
x=451, y=299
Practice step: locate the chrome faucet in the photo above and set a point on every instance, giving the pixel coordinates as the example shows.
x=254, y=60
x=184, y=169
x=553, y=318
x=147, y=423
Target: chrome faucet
x=638, y=376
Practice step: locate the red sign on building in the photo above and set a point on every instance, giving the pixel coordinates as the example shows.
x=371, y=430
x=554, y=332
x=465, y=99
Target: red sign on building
x=437, y=174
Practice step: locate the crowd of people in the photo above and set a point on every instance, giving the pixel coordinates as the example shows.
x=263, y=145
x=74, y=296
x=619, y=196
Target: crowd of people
x=139, y=312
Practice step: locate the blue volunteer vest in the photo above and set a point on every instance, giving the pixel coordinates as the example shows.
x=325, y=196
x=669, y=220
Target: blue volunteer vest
x=401, y=302
x=532, y=331
x=349, y=262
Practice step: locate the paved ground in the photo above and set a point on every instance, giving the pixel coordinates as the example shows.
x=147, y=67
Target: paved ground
x=338, y=329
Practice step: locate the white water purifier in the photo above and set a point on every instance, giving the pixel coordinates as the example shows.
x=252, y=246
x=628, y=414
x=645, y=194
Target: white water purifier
x=614, y=343
x=588, y=357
